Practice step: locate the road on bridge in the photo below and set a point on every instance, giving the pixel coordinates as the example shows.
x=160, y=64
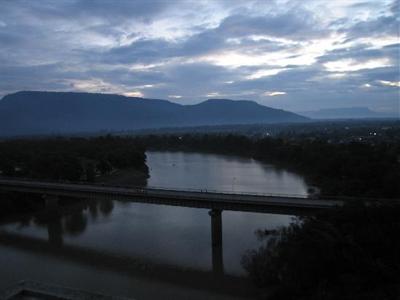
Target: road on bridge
x=186, y=198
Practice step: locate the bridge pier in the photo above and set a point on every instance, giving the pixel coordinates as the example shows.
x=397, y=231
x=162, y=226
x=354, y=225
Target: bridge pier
x=216, y=241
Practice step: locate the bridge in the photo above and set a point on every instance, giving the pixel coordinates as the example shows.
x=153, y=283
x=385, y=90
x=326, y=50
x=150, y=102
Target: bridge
x=249, y=202
x=215, y=202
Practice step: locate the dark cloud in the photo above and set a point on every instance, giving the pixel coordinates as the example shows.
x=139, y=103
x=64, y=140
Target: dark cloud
x=111, y=11
x=233, y=27
x=192, y=49
x=142, y=51
x=363, y=52
x=386, y=25
x=295, y=24
x=395, y=7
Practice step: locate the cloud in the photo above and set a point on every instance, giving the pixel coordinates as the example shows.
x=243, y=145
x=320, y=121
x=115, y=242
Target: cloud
x=96, y=85
x=381, y=26
x=274, y=93
x=296, y=23
x=390, y=83
x=320, y=54
x=351, y=65
x=134, y=94
x=263, y=73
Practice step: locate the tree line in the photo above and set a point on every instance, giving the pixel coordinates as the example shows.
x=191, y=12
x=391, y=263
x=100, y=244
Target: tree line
x=73, y=159
x=350, y=169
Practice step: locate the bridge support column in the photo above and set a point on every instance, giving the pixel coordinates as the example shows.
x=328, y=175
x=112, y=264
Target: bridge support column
x=216, y=241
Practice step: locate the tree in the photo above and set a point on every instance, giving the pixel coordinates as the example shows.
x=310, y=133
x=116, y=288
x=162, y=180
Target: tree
x=90, y=172
x=104, y=166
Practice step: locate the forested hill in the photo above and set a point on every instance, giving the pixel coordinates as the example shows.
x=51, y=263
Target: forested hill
x=29, y=113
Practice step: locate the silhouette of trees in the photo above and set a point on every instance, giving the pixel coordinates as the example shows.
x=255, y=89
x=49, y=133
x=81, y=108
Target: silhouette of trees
x=56, y=166
x=339, y=169
x=353, y=253
x=106, y=207
x=75, y=223
x=70, y=159
x=90, y=172
x=14, y=203
x=104, y=166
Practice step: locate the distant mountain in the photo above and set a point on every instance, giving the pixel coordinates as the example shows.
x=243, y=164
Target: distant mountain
x=346, y=113
x=29, y=113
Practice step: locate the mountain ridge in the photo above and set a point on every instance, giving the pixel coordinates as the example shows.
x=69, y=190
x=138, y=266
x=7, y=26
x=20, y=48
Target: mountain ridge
x=357, y=112
x=36, y=112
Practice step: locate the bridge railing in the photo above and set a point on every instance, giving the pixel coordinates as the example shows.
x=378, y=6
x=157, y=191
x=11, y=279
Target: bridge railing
x=193, y=190
x=154, y=188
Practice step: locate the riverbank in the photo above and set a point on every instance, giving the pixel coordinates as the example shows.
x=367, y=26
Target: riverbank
x=98, y=279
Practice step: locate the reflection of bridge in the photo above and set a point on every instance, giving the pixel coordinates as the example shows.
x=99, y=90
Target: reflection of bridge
x=135, y=267
x=215, y=201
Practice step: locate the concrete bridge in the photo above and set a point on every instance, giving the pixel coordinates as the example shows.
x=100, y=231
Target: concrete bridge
x=250, y=202
x=216, y=202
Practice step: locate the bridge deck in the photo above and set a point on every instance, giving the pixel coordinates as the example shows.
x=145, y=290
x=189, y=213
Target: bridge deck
x=200, y=199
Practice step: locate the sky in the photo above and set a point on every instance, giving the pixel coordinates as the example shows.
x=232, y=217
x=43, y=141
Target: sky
x=289, y=54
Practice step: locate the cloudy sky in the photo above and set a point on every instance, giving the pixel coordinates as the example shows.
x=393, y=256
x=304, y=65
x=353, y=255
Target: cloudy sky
x=291, y=54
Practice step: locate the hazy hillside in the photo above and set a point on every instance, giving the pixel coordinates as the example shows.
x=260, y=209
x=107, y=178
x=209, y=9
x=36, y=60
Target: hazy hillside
x=26, y=113
x=346, y=113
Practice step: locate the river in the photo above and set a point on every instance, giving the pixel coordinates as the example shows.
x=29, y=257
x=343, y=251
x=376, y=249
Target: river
x=100, y=245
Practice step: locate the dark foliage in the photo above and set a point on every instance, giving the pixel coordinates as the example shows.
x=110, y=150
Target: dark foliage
x=349, y=169
x=16, y=203
x=353, y=253
x=70, y=159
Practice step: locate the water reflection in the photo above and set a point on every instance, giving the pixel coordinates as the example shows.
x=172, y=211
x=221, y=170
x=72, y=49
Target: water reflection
x=183, y=237
x=135, y=238
x=69, y=219
x=106, y=207
x=75, y=224
x=171, y=235
x=73, y=221
x=216, y=241
x=184, y=170
x=55, y=232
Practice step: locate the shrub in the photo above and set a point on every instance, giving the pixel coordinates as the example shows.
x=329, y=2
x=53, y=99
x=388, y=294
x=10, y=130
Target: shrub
x=353, y=253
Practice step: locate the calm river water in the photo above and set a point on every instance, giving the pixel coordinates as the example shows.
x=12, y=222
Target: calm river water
x=92, y=245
